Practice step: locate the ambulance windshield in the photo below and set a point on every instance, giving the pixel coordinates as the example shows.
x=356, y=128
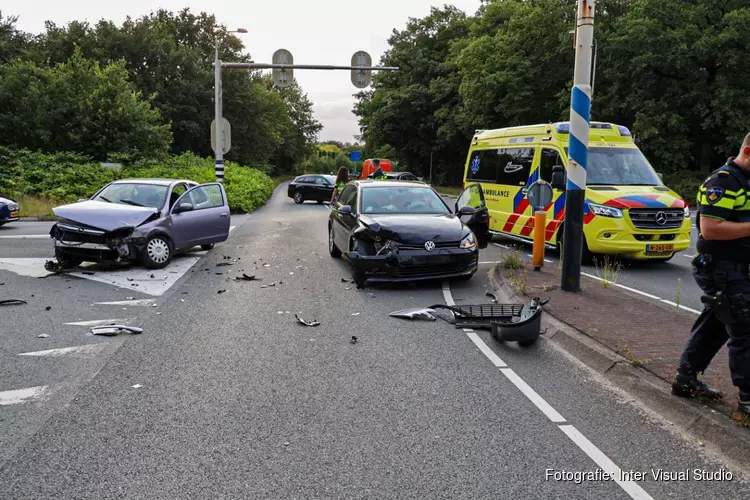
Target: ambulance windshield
x=619, y=167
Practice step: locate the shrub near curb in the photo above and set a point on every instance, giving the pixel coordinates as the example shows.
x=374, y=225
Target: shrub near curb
x=247, y=188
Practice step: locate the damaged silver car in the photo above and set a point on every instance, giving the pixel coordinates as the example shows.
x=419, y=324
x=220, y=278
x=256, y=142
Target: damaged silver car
x=146, y=220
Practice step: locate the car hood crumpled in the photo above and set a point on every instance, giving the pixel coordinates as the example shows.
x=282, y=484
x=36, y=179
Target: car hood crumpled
x=103, y=215
x=416, y=229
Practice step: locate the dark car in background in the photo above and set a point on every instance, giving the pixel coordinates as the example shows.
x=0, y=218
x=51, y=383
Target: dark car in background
x=146, y=220
x=8, y=211
x=404, y=231
x=312, y=187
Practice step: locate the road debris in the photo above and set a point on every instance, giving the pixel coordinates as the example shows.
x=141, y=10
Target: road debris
x=421, y=313
x=270, y=284
x=355, y=314
x=112, y=330
x=344, y=280
x=12, y=302
x=137, y=386
x=221, y=291
x=220, y=264
x=354, y=339
x=266, y=265
x=245, y=277
x=306, y=323
x=42, y=336
x=48, y=308
x=491, y=296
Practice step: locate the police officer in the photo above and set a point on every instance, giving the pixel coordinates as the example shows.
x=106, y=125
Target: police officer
x=722, y=270
x=379, y=173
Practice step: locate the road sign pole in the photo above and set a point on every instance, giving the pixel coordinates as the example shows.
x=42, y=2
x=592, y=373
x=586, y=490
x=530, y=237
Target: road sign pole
x=219, y=151
x=580, y=116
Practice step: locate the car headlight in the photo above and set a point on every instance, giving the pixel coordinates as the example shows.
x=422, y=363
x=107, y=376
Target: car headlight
x=468, y=242
x=687, y=212
x=605, y=211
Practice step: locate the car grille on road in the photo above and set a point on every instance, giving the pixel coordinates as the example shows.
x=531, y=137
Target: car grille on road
x=654, y=218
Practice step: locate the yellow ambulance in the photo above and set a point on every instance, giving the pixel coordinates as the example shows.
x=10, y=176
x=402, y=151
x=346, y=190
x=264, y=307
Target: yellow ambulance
x=628, y=211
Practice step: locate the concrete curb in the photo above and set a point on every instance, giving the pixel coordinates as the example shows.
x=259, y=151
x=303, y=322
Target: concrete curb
x=42, y=218
x=714, y=429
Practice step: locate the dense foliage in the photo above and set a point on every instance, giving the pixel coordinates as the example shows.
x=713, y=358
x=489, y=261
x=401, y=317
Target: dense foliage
x=66, y=177
x=145, y=89
x=670, y=70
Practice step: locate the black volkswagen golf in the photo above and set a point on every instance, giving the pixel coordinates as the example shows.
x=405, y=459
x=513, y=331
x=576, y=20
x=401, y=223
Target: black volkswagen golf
x=396, y=231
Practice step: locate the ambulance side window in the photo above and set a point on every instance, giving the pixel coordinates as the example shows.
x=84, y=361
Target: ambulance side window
x=483, y=166
x=515, y=166
x=550, y=158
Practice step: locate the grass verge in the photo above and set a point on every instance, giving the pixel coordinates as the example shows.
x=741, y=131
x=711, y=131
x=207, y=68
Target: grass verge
x=37, y=206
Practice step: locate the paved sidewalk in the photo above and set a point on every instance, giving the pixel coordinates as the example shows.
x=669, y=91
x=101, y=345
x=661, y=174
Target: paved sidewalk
x=648, y=334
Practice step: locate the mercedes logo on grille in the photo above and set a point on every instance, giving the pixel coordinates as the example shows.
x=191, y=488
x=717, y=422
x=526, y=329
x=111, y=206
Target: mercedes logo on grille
x=429, y=246
x=661, y=218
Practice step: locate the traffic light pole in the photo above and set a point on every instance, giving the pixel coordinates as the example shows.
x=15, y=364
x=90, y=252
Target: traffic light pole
x=218, y=65
x=580, y=116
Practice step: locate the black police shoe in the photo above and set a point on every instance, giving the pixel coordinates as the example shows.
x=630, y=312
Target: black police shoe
x=688, y=386
x=744, y=404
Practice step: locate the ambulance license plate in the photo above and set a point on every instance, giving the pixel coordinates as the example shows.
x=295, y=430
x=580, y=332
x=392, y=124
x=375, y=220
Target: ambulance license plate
x=659, y=248
x=14, y=214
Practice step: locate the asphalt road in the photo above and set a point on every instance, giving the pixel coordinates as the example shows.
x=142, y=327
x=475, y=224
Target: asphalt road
x=226, y=395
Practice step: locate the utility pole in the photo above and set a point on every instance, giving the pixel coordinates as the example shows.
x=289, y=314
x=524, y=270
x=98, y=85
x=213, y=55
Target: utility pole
x=283, y=75
x=218, y=110
x=580, y=116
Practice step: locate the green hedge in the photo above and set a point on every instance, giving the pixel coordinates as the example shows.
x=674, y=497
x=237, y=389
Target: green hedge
x=685, y=184
x=66, y=177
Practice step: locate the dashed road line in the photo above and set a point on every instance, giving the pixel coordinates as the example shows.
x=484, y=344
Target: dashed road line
x=24, y=236
x=97, y=322
x=631, y=487
x=19, y=396
x=85, y=350
x=604, y=462
x=141, y=302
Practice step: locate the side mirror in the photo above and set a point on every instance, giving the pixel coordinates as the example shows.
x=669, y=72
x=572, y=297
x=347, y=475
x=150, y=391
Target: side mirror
x=467, y=211
x=345, y=210
x=558, y=177
x=661, y=176
x=183, y=207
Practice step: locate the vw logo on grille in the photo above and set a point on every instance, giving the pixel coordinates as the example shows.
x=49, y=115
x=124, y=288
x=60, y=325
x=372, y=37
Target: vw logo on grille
x=429, y=246
x=661, y=218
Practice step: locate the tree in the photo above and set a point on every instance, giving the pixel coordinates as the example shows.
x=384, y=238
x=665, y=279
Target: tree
x=78, y=106
x=300, y=130
x=676, y=71
x=13, y=42
x=415, y=110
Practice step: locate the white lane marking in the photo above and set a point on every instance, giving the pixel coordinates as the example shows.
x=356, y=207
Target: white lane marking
x=31, y=267
x=84, y=350
x=545, y=260
x=532, y=395
x=499, y=363
x=501, y=246
x=675, y=304
x=142, y=302
x=162, y=281
x=21, y=395
x=24, y=236
x=231, y=228
x=688, y=256
x=97, y=322
x=630, y=487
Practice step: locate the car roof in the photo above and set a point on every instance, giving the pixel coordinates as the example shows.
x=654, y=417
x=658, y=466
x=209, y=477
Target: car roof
x=155, y=182
x=379, y=183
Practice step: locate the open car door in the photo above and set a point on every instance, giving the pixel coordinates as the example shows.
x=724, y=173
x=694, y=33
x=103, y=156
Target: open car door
x=201, y=216
x=472, y=210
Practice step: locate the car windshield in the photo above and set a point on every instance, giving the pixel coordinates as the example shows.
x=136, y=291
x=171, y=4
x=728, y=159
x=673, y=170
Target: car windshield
x=619, y=167
x=134, y=194
x=402, y=200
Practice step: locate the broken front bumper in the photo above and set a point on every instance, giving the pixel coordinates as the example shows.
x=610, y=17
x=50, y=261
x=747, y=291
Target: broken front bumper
x=93, y=245
x=405, y=266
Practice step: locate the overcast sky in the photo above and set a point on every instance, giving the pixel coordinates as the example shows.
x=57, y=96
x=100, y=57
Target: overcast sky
x=315, y=32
